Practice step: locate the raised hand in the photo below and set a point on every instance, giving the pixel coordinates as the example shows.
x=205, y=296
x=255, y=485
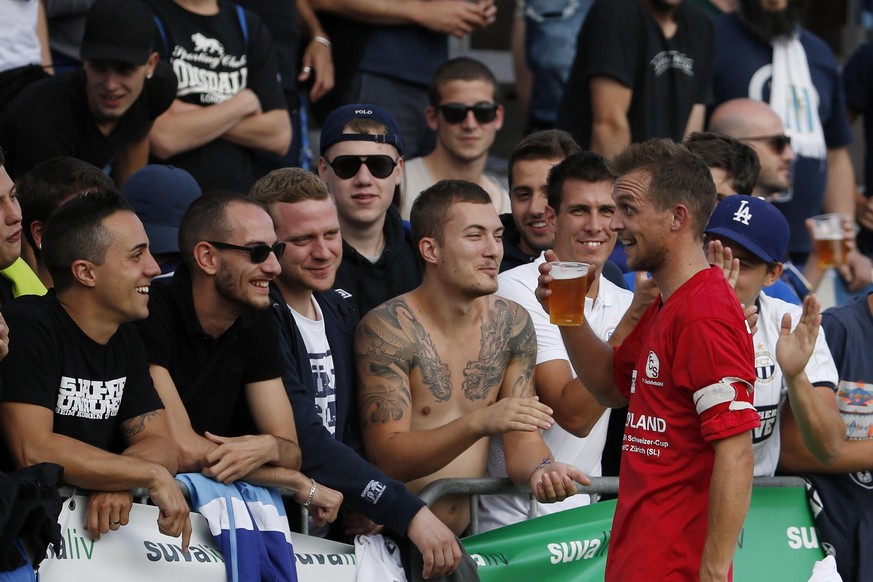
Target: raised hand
x=794, y=348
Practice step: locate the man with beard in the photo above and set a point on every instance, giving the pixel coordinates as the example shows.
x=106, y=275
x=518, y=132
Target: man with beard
x=214, y=354
x=686, y=371
x=643, y=69
x=427, y=403
x=764, y=54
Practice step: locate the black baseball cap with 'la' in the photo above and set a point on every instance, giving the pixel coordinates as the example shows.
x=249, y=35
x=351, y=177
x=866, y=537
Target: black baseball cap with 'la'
x=119, y=30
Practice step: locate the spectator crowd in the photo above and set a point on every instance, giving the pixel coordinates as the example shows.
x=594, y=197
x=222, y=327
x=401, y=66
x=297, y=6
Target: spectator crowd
x=188, y=285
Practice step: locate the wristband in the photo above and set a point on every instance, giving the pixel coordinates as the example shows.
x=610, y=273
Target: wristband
x=323, y=40
x=543, y=463
x=312, y=489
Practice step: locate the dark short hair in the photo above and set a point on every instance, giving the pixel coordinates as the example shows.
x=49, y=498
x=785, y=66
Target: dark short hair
x=585, y=166
x=431, y=209
x=43, y=188
x=459, y=69
x=206, y=219
x=677, y=176
x=75, y=231
x=549, y=144
x=737, y=159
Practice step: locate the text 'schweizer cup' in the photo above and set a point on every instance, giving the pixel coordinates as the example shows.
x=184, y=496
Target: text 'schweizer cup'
x=829, y=239
x=569, y=286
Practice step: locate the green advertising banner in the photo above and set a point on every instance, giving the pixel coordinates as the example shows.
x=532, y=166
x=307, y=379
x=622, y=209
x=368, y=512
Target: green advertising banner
x=778, y=542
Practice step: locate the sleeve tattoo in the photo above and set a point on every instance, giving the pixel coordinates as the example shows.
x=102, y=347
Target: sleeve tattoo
x=523, y=348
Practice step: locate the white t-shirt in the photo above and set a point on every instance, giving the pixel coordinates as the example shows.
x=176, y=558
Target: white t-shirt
x=19, y=45
x=603, y=314
x=321, y=362
x=770, y=388
x=416, y=178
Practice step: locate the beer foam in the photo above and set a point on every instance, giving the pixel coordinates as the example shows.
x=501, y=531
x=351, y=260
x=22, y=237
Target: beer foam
x=561, y=274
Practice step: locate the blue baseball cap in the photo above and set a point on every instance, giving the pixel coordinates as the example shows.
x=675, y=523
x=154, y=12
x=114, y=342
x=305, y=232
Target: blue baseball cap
x=160, y=195
x=752, y=223
x=332, y=130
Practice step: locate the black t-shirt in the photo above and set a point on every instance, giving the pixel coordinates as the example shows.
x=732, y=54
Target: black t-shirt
x=280, y=18
x=397, y=270
x=91, y=388
x=213, y=62
x=621, y=40
x=209, y=373
x=50, y=118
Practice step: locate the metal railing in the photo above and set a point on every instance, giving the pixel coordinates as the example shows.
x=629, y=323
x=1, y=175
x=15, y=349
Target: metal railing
x=494, y=486
x=474, y=488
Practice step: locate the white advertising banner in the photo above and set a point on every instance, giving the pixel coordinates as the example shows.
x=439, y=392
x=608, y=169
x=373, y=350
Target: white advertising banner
x=138, y=552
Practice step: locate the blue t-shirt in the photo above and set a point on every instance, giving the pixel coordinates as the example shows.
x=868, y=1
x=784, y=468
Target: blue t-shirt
x=408, y=53
x=743, y=68
x=849, y=332
x=859, y=96
x=858, y=83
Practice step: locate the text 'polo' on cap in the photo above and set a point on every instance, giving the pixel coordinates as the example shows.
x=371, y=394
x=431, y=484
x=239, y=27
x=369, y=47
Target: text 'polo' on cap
x=339, y=118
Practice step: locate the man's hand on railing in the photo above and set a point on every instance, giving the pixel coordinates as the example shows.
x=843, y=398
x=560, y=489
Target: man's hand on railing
x=555, y=481
x=107, y=511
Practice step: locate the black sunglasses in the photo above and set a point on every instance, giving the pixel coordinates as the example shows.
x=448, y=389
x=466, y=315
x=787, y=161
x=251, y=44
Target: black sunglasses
x=457, y=112
x=777, y=143
x=257, y=253
x=346, y=167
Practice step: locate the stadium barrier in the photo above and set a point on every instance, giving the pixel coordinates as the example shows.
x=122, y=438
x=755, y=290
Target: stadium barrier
x=778, y=541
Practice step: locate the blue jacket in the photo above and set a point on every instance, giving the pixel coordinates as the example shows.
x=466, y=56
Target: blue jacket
x=337, y=461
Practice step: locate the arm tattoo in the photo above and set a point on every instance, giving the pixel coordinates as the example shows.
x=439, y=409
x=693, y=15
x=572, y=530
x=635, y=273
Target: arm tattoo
x=523, y=347
x=383, y=404
x=136, y=425
x=486, y=372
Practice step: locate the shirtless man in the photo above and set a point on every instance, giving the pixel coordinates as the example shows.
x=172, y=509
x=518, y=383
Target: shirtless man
x=427, y=408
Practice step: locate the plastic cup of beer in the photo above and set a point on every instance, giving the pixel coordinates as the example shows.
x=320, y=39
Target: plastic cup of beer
x=569, y=286
x=829, y=239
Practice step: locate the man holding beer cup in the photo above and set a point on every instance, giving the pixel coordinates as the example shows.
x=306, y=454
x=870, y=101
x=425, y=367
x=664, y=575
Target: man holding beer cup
x=579, y=210
x=686, y=372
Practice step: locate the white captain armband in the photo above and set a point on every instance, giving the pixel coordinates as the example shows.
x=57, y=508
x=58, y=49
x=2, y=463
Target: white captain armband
x=722, y=392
